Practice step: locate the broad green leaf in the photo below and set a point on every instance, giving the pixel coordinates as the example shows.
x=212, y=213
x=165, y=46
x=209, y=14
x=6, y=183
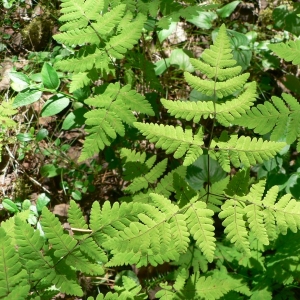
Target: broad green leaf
x=227, y=10
x=20, y=81
x=74, y=119
x=27, y=97
x=42, y=201
x=203, y=20
x=10, y=205
x=179, y=58
x=24, y=137
x=161, y=66
x=50, y=77
x=55, y=105
x=163, y=34
x=50, y=170
x=42, y=133
x=287, y=19
x=198, y=174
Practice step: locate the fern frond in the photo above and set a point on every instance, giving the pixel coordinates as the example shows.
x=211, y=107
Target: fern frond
x=216, y=70
x=247, y=151
x=78, y=36
x=75, y=216
x=178, y=225
x=166, y=184
x=30, y=244
x=200, y=224
x=80, y=261
x=215, y=197
x=90, y=248
x=118, y=45
x=211, y=288
x=289, y=51
x=226, y=112
x=255, y=213
x=280, y=118
x=140, y=183
x=218, y=89
x=62, y=243
x=13, y=278
x=220, y=54
x=235, y=226
x=174, y=139
x=189, y=110
x=266, y=217
x=113, y=108
x=6, y=113
x=106, y=23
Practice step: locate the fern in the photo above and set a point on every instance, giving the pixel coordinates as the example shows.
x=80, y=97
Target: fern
x=280, y=118
x=264, y=215
x=114, y=107
x=288, y=51
x=100, y=37
x=243, y=150
x=13, y=279
x=174, y=139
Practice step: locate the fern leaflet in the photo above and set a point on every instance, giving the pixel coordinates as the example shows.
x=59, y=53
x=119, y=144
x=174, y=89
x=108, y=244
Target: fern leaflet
x=174, y=139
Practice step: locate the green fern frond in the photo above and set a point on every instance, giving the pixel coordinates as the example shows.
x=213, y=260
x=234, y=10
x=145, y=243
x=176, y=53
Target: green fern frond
x=30, y=243
x=282, y=119
x=118, y=45
x=62, y=242
x=215, y=197
x=255, y=213
x=266, y=217
x=174, y=139
x=289, y=51
x=178, y=225
x=220, y=54
x=90, y=248
x=246, y=151
x=200, y=224
x=75, y=216
x=6, y=113
x=211, y=288
x=143, y=182
x=226, y=112
x=80, y=261
x=87, y=58
x=235, y=226
x=166, y=185
x=106, y=23
x=218, y=89
x=189, y=110
x=13, y=278
x=215, y=70
x=113, y=108
x=78, y=36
